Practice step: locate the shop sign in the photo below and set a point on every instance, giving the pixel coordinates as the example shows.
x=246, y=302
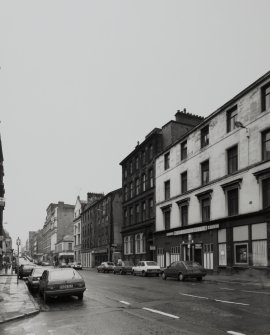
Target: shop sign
x=198, y=246
x=193, y=230
x=152, y=247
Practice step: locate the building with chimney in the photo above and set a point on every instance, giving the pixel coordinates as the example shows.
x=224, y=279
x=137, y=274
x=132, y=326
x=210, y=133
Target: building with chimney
x=101, y=226
x=138, y=185
x=213, y=188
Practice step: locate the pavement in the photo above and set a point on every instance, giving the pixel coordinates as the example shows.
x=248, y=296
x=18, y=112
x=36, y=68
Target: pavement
x=17, y=302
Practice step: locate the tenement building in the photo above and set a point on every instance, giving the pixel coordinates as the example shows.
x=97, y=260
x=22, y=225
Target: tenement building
x=138, y=185
x=58, y=223
x=101, y=225
x=2, y=202
x=213, y=187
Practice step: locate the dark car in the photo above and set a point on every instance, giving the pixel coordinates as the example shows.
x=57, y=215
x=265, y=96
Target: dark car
x=77, y=266
x=184, y=269
x=57, y=282
x=25, y=270
x=33, y=279
x=105, y=267
x=123, y=267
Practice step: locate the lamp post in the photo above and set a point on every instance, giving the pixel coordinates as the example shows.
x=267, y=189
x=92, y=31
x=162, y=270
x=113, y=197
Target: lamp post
x=18, y=242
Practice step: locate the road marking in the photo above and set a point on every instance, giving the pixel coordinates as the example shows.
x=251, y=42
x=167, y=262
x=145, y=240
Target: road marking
x=226, y=288
x=194, y=296
x=124, y=302
x=256, y=292
x=231, y=302
x=234, y=333
x=159, y=312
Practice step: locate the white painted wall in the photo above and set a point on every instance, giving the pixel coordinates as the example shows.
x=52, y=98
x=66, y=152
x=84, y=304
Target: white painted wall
x=249, y=152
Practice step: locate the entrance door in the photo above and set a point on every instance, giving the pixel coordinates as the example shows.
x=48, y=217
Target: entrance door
x=198, y=255
x=208, y=256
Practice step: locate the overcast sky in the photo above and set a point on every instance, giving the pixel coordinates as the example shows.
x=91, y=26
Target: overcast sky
x=82, y=81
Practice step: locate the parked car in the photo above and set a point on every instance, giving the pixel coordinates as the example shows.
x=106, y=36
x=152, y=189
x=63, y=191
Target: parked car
x=77, y=266
x=57, y=282
x=33, y=279
x=145, y=268
x=25, y=270
x=123, y=267
x=65, y=265
x=105, y=267
x=184, y=269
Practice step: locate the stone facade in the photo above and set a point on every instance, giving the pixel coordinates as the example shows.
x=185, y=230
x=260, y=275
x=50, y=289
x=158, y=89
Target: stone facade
x=213, y=200
x=138, y=183
x=77, y=228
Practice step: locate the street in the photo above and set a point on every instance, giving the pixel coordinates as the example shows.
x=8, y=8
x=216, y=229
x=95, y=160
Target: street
x=115, y=304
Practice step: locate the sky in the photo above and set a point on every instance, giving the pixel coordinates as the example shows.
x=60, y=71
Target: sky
x=82, y=81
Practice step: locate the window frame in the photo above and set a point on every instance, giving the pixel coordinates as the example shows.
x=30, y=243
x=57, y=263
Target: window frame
x=184, y=150
x=203, y=164
x=234, y=249
x=231, y=116
x=265, y=95
x=205, y=136
x=265, y=156
x=167, y=189
x=232, y=157
x=167, y=160
x=184, y=177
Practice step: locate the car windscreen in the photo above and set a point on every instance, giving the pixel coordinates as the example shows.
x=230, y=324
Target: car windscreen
x=191, y=265
x=28, y=267
x=37, y=272
x=151, y=263
x=68, y=274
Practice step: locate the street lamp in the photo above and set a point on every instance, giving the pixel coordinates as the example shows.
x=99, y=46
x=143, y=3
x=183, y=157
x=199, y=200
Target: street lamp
x=18, y=242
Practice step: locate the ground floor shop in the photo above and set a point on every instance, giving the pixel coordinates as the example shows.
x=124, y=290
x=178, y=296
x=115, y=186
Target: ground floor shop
x=233, y=244
x=138, y=244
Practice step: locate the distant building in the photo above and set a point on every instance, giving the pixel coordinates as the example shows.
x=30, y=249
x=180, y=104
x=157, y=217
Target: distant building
x=101, y=225
x=213, y=188
x=138, y=185
x=64, y=250
x=59, y=222
x=78, y=228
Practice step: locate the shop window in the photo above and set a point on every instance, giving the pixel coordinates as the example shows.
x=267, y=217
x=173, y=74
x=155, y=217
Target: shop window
x=175, y=254
x=265, y=94
x=259, y=244
x=241, y=253
x=183, y=150
x=222, y=247
x=231, y=118
x=232, y=155
x=139, y=243
x=204, y=136
x=160, y=257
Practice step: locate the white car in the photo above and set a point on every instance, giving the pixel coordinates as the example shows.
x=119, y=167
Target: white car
x=145, y=268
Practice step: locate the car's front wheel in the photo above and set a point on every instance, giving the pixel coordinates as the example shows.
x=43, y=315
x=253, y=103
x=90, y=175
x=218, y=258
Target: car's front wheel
x=80, y=296
x=164, y=277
